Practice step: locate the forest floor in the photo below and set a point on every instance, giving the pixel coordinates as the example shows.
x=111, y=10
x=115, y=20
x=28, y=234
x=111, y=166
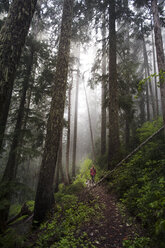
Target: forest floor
x=114, y=227
x=108, y=231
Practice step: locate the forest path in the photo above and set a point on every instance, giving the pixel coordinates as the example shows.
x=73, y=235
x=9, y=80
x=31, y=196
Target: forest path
x=111, y=230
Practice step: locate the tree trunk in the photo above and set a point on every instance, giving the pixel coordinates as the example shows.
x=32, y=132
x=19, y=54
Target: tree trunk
x=128, y=110
x=146, y=65
x=90, y=125
x=68, y=134
x=142, y=108
x=114, y=143
x=103, y=89
x=59, y=164
x=160, y=53
x=75, y=118
x=11, y=168
x=44, y=196
x=12, y=39
x=147, y=98
x=127, y=129
x=12, y=165
x=156, y=87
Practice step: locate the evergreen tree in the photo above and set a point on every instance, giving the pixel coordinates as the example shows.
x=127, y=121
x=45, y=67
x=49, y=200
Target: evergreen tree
x=76, y=113
x=153, y=6
x=44, y=196
x=113, y=106
x=103, y=89
x=12, y=39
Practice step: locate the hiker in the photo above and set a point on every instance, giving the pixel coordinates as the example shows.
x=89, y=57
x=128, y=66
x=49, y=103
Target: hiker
x=93, y=173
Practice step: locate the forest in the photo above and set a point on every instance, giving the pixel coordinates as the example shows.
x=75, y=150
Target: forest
x=82, y=84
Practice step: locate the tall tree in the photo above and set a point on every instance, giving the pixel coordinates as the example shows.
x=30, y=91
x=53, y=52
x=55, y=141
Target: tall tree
x=59, y=165
x=12, y=39
x=159, y=52
x=103, y=88
x=90, y=123
x=68, y=133
x=114, y=144
x=12, y=165
x=146, y=65
x=76, y=114
x=153, y=5
x=44, y=195
x=155, y=71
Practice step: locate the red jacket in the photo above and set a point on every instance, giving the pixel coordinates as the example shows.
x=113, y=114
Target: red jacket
x=93, y=171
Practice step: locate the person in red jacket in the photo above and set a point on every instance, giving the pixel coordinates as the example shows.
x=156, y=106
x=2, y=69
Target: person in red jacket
x=93, y=173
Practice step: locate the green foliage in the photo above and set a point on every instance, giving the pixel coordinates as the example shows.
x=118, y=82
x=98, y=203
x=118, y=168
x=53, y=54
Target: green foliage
x=64, y=230
x=141, y=242
x=148, y=128
x=143, y=81
x=14, y=209
x=11, y=239
x=30, y=205
x=140, y=185
x=84, y=173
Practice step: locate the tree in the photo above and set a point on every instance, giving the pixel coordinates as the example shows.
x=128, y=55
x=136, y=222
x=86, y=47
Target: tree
x=76, y=114
x=159, y=52
x=12, y=165
x=12, y=39
x=44, y=195
x=146, y=66
x=90, y=123
x=154, y=65
x=103, y=89
x=68, y=133
x=153, y=5
x=59, y=165
x=113, y=106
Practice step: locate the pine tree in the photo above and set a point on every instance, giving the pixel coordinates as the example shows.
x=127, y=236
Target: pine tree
x=159, y=52
x=103, y=89
x=12, y=39
x=44, y=196
x=76, y=114
x=114, y=143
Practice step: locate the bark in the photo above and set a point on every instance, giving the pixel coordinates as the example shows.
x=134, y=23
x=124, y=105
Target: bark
x=114, y=143
x=127, y=128
x=142, y=108
x=156, y=87
x=147, y=99
x=127, y=93
x=11, y=167
x=59, y=164
x=75, y=121
x=146, y=65
x=103, y=89
x=44, y=196
x=12, y=164
x=12, y=39
x=24, y=211
x=90, y=125
x=68, y=135
x=159, y=52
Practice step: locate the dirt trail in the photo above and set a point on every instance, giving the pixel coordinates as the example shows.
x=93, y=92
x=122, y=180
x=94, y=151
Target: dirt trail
x=111, y=230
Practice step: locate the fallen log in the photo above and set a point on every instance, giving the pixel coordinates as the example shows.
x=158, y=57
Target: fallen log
x=24, y=211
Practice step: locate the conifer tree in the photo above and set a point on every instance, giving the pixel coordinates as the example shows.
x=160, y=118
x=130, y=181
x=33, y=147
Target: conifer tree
x=44, y=196
x=103, y=94
x=12, y=39
x=114, y=144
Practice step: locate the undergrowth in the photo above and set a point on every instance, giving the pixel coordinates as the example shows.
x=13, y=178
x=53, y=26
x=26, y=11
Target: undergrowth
x=65, y=229
x=140, y=185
